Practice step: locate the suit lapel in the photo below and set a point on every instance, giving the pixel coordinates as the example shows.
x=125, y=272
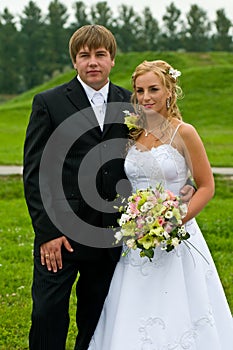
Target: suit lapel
x=115, y=107
x=77, y=96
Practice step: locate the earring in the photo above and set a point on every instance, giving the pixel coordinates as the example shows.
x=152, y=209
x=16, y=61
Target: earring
x=138, y=109
x=168, y=102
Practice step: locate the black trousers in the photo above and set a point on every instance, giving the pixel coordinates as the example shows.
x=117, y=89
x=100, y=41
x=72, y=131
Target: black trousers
x=51, y=293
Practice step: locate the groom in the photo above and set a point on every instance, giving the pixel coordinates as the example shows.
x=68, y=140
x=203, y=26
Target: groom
x=58, y=255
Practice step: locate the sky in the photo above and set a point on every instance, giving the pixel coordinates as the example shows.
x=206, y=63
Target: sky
x=158, y=7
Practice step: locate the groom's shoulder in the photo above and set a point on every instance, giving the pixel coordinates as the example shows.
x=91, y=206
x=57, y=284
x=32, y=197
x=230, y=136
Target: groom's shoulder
x=121, y=90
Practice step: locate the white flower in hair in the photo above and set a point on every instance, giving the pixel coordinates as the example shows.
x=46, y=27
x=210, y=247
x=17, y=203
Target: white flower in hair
x=174, y=73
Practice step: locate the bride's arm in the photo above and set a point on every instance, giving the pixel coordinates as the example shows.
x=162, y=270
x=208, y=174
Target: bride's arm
x=200, y=168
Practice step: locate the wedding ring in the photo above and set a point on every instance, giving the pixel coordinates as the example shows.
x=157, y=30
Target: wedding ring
x=47, y=255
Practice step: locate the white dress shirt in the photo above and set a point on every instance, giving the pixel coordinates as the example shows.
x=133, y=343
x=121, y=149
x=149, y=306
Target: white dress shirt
x=99, y=106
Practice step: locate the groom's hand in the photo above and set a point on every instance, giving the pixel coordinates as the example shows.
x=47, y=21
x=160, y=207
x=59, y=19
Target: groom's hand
x=50, y=253
x=186, y=193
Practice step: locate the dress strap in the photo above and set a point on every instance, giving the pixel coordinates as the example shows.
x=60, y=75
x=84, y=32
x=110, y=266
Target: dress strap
x=174, y=134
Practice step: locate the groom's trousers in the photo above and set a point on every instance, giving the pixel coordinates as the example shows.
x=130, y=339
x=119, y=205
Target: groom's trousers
x=51, y=294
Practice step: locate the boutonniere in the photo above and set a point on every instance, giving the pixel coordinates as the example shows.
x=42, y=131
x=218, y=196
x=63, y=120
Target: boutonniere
x=131, y=120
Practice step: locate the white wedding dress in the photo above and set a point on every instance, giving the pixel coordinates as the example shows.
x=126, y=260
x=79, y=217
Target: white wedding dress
x=175, y=302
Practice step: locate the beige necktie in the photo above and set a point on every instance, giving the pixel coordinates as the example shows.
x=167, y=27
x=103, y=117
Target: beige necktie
x=99, y=108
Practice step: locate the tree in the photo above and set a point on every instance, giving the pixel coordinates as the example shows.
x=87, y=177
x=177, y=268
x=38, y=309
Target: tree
x=81, y=16
x=57, y=37
x=101, y=14
x=32, y=44
x=222, y=41
x=171, y=36
x=9, y=54
x=148, y=35
x=127, y=30
x=196, y=32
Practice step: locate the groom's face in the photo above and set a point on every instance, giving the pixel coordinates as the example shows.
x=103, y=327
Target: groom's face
x=94, y=66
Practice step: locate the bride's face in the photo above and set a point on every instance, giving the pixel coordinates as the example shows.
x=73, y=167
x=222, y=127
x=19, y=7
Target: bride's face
x=151, y=93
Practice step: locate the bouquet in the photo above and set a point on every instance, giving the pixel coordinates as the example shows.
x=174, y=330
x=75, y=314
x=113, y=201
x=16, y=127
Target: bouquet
x=151, y=218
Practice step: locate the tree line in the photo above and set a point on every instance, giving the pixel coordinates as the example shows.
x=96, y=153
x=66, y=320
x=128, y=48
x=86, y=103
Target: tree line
x=34, y=46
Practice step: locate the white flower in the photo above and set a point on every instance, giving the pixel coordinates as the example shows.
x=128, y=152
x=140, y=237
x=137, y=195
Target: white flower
x=118, y=235
x=149, y=220
x=166, y=235
x=148, y=205
x=181, y=230
x=168, y=214
x=183, y=209
x=143, y=208
x=124, y=218
x=174, y=73
x=163, y=245
x=175, y=241
x=131, y=243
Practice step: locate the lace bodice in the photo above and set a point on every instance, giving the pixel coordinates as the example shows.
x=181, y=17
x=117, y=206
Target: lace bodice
x=162, y=164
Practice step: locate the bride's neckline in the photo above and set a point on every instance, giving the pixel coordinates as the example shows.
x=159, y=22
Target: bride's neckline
x=154, y=148
x=161, y=144
x=145, y=149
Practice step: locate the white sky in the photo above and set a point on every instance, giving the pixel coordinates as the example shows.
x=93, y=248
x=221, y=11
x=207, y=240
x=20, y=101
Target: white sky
x=157, y=7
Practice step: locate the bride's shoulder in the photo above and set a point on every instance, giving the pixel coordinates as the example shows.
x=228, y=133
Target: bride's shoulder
x=186, y=129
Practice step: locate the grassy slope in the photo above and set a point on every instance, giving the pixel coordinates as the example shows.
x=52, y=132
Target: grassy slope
x=206, y=80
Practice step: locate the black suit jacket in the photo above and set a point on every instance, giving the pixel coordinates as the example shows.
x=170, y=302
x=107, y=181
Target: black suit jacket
x=51, y=110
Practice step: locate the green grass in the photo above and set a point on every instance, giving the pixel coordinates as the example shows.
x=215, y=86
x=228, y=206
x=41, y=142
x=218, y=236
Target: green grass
x=16, y=261
x=16, y=246
x=206, y=81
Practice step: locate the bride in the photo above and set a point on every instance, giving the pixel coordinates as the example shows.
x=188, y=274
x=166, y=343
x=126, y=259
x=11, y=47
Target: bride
x=176, y=301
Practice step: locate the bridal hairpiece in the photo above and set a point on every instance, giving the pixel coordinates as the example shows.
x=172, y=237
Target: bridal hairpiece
x=174, y=73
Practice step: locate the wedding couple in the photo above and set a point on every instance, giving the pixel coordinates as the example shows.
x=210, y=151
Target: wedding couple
x=175, y=301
